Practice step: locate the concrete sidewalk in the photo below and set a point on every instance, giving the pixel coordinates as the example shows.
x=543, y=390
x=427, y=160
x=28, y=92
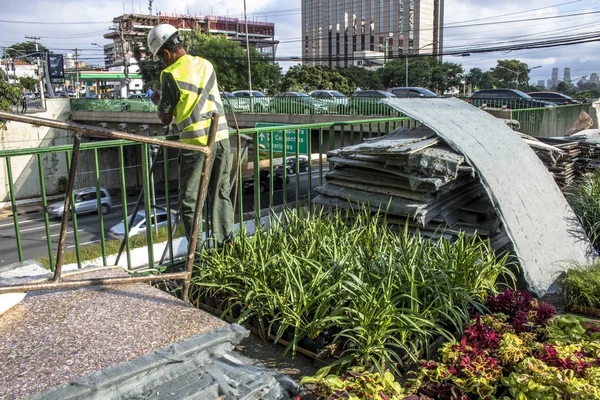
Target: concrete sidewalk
x=21, y=210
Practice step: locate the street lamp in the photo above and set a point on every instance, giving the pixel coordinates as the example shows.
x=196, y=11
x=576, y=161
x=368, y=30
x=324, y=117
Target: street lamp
x=518, y=72
x=406, y=60
x=570, y=81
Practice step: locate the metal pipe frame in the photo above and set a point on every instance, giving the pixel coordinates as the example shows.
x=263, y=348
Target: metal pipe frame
x=80, y=130
x=100, y=132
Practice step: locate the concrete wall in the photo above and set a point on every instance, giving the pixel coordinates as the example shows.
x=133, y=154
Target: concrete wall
x=25, y=168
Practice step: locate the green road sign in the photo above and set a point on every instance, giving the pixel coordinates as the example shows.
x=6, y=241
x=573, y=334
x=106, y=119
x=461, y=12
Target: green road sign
x=290, y=139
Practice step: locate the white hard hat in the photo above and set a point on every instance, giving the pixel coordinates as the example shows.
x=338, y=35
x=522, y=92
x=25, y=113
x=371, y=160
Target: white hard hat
x=158, y=36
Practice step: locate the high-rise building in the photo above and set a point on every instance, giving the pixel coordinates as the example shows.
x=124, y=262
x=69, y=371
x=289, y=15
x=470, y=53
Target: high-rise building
x=594, y=78
x=540, y=84
x=130, y=29
x=567, y=76
x=340, y=33
x=554, y=78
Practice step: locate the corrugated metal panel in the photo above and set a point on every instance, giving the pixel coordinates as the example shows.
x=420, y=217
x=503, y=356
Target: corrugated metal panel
x=536, y=216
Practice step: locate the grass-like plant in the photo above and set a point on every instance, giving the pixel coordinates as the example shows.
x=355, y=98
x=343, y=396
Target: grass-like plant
x=584, y=197
x=93, y=251
x=582, y=284
x=382, y=296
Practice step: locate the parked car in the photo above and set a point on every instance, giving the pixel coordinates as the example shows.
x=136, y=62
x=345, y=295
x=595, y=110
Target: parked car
x=559, y=99
x=238, y=104
x=296, y=103
x=258, y=102
x=513, y=99
x=86, y=201
x=137, y=104
x=411, y=92
x=139, y=225
x=368, y=102
x=138, y=96
x=265, y=182
x=290, y=164
x=336, y=101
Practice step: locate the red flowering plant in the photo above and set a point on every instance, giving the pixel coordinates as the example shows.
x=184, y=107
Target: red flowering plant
x=472, y=367
x=525, y=313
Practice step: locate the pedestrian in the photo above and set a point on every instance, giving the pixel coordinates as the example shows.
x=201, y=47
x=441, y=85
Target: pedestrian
x=149, y=93
x=24, y=103
x=188, y=96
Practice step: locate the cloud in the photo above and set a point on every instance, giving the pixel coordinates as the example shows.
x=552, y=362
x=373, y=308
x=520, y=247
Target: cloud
x=458, y=13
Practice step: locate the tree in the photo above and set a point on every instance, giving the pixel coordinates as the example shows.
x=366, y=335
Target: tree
x=9, y=94
x=511, y=74
x=479, y=79
x=20, y=49
x=360, y=77
x=427, y=72
x=28, y=83
x=229, y=60
x=563, y=86
x=446, y=75
x=306, y=78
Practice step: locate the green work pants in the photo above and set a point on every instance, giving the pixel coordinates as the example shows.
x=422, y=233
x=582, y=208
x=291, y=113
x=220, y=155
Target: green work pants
x=221, y=210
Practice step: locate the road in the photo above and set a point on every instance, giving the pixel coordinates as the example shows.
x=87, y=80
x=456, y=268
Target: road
x=33, y=231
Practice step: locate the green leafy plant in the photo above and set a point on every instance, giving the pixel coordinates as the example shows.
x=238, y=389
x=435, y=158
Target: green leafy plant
x=584, y=198
x=583, y=286
x=357, y=383
x=347, y=280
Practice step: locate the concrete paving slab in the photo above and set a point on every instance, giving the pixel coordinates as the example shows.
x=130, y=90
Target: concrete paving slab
x=52, y=338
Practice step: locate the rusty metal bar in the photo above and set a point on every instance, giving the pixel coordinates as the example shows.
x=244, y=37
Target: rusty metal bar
x=64, y=224
x=99, y=132
x=208, y=162
x=90, y=282
x=136, y=209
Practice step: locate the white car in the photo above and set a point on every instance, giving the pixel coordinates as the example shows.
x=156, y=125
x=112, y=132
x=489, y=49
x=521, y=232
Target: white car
x=86, y=201
x=336, y=101
x=139, y=225
x=258, y=102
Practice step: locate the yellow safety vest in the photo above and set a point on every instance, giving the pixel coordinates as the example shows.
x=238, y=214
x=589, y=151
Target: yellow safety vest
x=198, y=99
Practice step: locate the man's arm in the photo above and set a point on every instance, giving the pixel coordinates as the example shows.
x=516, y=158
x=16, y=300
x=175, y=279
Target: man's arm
x=166, y=99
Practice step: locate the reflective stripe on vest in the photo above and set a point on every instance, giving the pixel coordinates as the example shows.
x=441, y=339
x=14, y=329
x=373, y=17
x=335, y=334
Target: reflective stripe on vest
x=198, y=99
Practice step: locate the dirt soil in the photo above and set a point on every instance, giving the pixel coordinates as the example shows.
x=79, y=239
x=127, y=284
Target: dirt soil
x=271, y=356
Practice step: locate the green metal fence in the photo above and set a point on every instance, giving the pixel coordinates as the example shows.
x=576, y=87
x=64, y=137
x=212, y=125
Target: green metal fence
x=127, y=172
x=549, y=121
x=115, y=105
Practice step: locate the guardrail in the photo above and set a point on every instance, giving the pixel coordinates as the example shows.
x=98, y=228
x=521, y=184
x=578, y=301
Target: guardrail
x=128, y=169
x=549, y=121
x=296, y=105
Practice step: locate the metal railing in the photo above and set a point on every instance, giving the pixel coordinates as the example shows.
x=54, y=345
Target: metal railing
x=549, y=121
x=114, y=105
x=70, y=206
x=297, y=105
x=125, y=168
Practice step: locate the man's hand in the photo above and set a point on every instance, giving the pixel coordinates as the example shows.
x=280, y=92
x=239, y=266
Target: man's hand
x=155, y=97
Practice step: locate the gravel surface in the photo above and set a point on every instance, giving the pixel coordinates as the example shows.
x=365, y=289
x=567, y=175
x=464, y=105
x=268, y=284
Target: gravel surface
x=53, y=337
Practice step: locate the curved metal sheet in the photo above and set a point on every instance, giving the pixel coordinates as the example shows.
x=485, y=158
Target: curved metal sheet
x=544, y=231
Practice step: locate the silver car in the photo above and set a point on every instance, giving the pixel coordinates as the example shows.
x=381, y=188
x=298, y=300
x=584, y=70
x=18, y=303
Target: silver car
x=258, y=102
x=86, y=201
x=139, y=225
x=336, y=101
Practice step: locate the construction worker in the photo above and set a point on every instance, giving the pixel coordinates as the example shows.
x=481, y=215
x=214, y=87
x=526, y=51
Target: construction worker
x=188, y=97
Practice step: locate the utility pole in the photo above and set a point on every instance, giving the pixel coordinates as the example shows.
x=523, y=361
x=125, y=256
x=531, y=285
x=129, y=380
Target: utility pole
x=40, y=76
x=248, y=54
x=77, y=83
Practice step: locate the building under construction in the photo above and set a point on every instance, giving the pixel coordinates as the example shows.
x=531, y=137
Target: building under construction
x=133, y=28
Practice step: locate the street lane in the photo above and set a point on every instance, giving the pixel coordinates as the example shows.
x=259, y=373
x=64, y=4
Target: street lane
x=33, y=230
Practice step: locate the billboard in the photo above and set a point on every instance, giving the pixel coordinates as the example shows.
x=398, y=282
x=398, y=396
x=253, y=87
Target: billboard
x=56, y=68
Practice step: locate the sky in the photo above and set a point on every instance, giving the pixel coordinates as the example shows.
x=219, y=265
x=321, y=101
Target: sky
x=67, y=24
